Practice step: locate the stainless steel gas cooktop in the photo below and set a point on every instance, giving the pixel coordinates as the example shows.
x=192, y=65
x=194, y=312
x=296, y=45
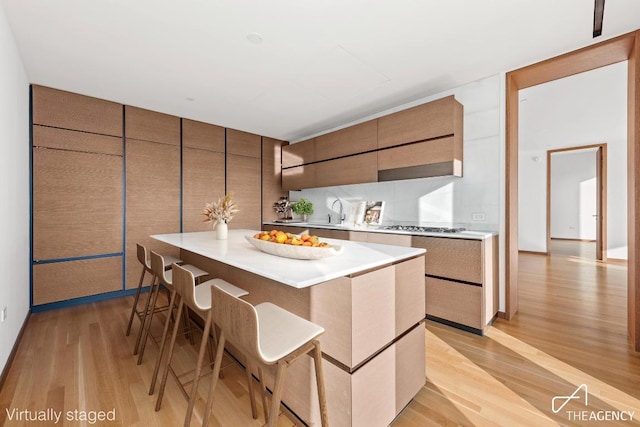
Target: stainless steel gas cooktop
x=419, y=229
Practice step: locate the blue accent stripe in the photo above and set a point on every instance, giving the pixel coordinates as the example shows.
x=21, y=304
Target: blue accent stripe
x=181, y=177
x=124, y=199
x=30, y=195
x=77, y=258
x=85, y=300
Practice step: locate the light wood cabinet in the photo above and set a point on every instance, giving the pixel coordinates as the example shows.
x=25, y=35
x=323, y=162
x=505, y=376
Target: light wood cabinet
x=77, y=196
x=420, y=160
x=434, y=119
x=355, y=139
x=300, y=153
x=461, y=280
x=271, y=176
x=153, y=183
x=244, y=178
x=151, y=126
x=243, y=143
x=356, y=169
x=107, y=176
x=203, y=171
x=66, y=110
x=299, y=177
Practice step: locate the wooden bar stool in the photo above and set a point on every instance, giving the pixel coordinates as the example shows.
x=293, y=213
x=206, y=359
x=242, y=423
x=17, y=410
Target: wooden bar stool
x=281, y=338
x=198, y=299
x=163, y=278
x=143, y=257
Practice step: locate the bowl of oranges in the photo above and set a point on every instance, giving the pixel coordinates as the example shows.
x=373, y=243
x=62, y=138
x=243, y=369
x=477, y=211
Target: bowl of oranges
x=288, y=245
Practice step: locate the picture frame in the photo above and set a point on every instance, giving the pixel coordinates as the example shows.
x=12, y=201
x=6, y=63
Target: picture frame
x=373, y=212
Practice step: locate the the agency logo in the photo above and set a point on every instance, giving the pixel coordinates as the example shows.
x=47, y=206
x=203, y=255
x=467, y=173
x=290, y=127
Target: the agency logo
x=581, y=395
x=559, y=402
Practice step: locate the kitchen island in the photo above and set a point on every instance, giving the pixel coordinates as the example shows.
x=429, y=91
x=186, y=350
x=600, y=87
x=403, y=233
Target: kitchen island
x=370, y=300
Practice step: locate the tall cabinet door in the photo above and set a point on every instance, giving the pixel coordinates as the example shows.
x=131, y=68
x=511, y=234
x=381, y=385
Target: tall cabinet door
x=77, y=196
x=271, y=176
x=244, y=178
x=153, y=183
x=202, y=171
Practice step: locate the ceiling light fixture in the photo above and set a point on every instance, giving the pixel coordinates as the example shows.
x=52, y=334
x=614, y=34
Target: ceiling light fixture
x=255, y=38
x=598, y=15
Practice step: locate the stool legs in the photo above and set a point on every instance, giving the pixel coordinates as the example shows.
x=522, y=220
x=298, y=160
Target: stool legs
x=149, y=319
x=143, y=321
x=135, y=302
x=196, y=378
x=164, y=339
x=214, y=380
x=322, y=397
x=165, y=374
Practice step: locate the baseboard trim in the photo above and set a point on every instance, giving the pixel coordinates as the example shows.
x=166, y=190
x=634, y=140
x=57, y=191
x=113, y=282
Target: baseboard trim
x=620, y=261
x=533, y=252
x=572, y=239
x=502, y=315
x=14, y=350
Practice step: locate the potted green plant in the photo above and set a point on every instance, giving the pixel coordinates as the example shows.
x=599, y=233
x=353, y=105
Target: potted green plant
x=304, y=208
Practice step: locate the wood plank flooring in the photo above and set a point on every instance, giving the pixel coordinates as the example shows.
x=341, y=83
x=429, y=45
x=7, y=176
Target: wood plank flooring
x=570, y=330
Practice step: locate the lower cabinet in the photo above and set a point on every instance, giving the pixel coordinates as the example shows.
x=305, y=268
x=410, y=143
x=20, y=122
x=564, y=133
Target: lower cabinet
x=461, y=275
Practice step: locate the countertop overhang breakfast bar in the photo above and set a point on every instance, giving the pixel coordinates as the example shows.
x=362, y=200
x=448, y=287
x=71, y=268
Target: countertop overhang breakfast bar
x=373, y=351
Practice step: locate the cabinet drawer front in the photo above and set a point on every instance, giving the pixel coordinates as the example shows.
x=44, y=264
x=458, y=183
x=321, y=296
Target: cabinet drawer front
x=456, y=302
x=348, y=141
x=456, y=259
x=436, y=118
x=298, y=154
x=74, y=279
x=422, y=153
x=299, y=177
x=347, y=170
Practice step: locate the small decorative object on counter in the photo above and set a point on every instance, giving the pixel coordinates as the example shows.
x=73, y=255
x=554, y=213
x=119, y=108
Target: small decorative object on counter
x=220, y=213
x=283, y=208
x=304, y=208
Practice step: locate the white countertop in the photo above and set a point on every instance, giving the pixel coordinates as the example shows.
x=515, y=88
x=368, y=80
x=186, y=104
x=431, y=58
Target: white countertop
x=467, y=234
x=237, y=252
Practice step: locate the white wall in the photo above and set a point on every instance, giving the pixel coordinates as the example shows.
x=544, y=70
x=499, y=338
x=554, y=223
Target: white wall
x=573, y=195
x=440, y=200
x=588, y=108
x=14, y=190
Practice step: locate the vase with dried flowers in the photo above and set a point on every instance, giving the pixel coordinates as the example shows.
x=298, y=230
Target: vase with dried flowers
x=220, y=213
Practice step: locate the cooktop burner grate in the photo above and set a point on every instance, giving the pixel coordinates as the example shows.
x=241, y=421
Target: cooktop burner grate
x=419, y=229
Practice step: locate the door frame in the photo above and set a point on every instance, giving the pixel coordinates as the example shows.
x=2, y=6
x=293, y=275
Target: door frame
x=622, y=48
x=601, y=198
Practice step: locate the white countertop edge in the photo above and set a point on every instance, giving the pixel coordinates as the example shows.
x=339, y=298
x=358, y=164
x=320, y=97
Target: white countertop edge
x=467, y=234
x=386, y=254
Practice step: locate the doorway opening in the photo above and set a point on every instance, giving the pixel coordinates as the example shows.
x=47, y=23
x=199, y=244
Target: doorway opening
x=577, y=201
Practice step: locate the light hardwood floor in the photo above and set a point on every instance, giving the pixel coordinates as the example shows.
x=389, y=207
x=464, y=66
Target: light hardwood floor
x=570, y=330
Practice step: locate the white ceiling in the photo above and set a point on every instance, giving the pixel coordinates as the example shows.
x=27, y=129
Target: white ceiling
x=321, y=64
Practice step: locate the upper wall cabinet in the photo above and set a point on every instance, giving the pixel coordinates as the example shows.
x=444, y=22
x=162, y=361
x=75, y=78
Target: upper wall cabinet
x=439, y=118
x=356, y=139
x=243, y=143
x=151, y=126
x=66, y=110
x=420, y=142
x=298, y=154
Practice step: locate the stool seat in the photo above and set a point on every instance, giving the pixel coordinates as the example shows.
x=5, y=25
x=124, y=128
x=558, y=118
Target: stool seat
x=202, y=297
x=282, y=332
x=168, y=260
x=168, y=275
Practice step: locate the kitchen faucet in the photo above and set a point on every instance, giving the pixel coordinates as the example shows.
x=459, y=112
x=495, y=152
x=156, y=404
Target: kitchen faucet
x=341, y=213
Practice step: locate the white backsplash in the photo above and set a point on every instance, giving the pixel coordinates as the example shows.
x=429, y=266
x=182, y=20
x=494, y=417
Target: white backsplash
x=439, y=201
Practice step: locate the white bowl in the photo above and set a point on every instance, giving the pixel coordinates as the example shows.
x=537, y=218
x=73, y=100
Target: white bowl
x=296, y=252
